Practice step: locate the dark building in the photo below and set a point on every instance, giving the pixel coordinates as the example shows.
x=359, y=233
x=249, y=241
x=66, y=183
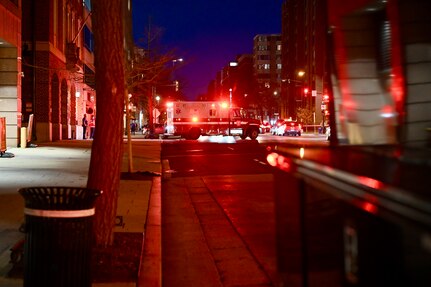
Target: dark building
x=245, y=93
x=235, y=81
x=303, y=50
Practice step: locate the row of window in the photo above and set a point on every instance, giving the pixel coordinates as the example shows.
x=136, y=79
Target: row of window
x=263, y=38
x=267, y=57
x=267, y=66
x=267, y=47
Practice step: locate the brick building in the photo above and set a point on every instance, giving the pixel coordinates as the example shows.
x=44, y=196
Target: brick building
x=57, y=61
x=10, y=69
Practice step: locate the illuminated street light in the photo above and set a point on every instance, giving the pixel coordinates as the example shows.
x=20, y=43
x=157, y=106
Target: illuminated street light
x=301, y=73
x=175, y=83
x=177, y=60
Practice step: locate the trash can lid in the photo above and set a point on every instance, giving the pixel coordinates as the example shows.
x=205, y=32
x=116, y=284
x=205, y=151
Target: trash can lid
x=59, y=197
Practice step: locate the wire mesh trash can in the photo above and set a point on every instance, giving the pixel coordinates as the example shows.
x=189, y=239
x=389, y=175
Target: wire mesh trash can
x=58, y=240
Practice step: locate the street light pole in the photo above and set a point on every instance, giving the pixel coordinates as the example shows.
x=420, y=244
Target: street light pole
x=150, y=110
x=175, y=82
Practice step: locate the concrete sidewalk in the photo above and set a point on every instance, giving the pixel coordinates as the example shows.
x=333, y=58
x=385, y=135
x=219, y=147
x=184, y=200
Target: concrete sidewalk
x=66, y=163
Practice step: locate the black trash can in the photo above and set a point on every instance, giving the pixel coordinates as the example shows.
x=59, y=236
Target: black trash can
x=58, y=240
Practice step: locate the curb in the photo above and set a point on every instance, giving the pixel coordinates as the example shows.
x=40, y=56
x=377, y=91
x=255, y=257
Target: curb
x=150, y=270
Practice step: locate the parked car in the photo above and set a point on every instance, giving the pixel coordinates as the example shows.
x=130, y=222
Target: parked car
x=276, y=126
x=159, y=129
x=289, y=128
x=265, y=127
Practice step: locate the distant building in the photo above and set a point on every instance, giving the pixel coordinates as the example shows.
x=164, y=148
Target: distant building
x=304, y=50
x=10, y=69
x=236, y=79
x=245, y=89
x=267, y=70
x=252, y=81
x=221, y=87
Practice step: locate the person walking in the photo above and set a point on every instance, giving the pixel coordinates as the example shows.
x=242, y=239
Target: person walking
x=92, y=126
x=84, y=126
x=133, y=127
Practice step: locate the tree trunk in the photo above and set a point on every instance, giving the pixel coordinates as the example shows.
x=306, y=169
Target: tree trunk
x=107, y=149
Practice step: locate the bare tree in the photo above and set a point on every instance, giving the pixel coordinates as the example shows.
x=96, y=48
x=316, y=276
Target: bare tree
x=107, y=149
x=305, y=116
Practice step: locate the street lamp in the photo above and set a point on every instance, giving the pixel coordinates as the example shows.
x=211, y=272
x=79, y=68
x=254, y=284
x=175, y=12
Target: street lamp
x=176, y=60
x=230, y=98
x=175, y=82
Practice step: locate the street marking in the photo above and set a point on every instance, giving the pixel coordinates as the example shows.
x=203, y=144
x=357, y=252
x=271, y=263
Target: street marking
x=166, y=170
x=261, y=162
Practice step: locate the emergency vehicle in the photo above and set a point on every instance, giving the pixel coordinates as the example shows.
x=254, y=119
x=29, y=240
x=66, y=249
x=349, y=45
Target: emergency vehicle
x=191, y=119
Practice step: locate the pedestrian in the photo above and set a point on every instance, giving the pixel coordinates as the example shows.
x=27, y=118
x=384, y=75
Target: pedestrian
x=92, y=126
x=84, y=126
x=133, y=127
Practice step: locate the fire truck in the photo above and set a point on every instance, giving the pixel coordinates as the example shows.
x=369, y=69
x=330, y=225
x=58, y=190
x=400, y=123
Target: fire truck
x=191, y=119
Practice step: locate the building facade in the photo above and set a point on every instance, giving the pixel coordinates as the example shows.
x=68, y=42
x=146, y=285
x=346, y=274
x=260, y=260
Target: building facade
x=267, y=65
x=58, y=67
x=304, y=58
x=10, y=70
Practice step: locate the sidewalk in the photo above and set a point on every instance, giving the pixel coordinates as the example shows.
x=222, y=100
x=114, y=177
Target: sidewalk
x=66, y=163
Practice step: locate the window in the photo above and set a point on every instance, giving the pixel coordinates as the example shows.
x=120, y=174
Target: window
x=88, y=39
x=87, y=4
x=263, y=66
x=213, y=112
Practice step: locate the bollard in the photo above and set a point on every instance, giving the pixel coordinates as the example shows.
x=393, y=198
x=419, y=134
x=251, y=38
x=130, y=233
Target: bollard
x=23, y=137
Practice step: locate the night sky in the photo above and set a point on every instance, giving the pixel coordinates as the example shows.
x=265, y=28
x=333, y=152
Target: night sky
x=208, y=34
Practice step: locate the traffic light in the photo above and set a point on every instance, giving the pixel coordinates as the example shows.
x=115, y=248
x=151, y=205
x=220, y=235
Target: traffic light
x=305, y=91
x=326, y=98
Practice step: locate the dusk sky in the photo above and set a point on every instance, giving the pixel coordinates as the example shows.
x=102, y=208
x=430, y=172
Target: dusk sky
x=207, y=34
